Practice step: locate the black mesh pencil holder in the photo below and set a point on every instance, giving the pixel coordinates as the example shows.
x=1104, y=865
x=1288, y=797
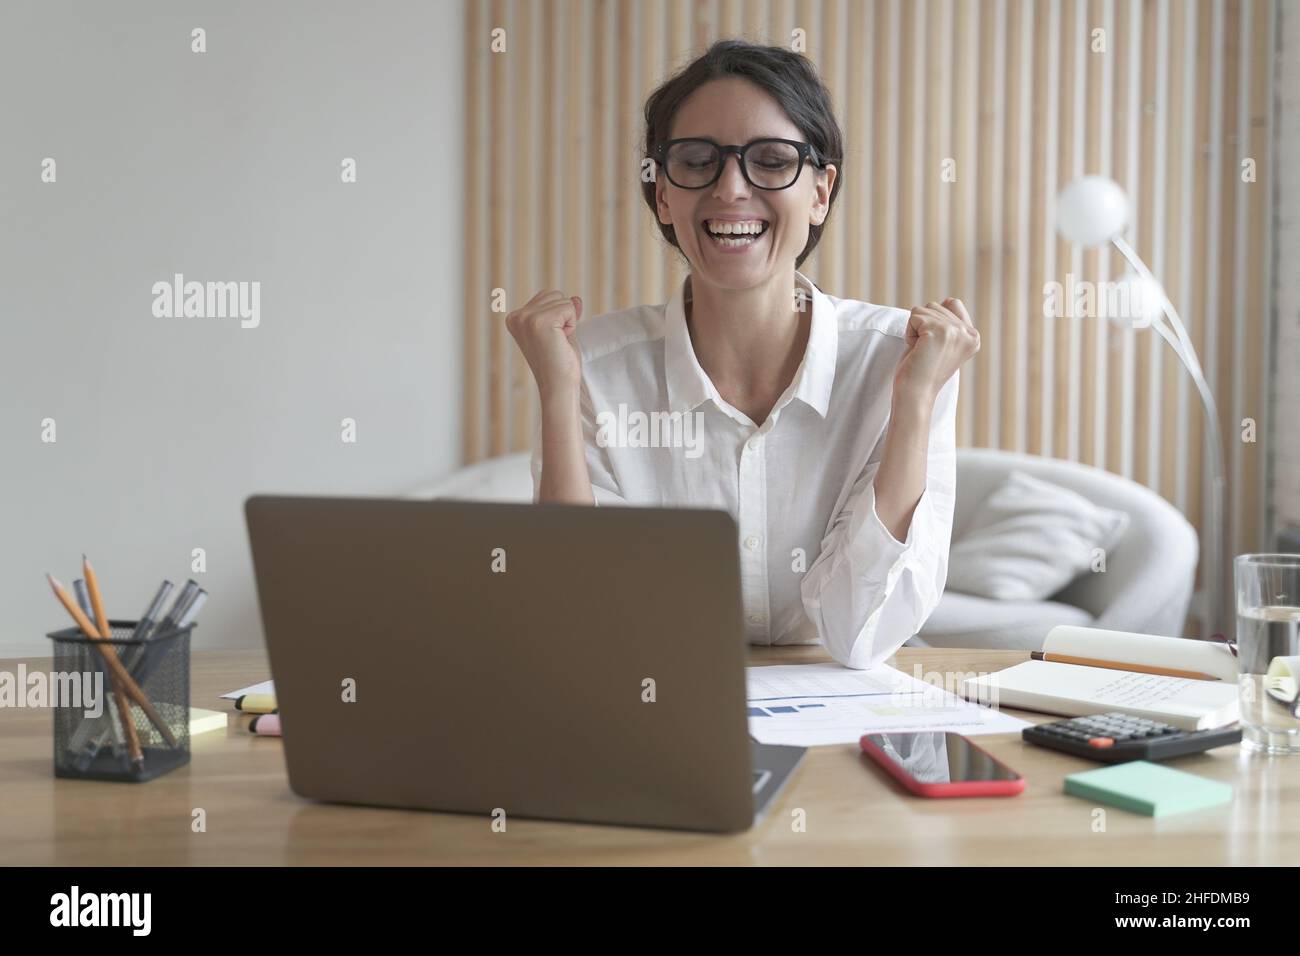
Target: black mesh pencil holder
x=93, y=739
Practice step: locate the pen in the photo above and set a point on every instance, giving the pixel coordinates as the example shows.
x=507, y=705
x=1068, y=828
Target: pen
x=150, y=616
x=179, y=607
x=144, y=661
x=191, y=612
x=130, y=657
x=111, y=659
x=83, y=596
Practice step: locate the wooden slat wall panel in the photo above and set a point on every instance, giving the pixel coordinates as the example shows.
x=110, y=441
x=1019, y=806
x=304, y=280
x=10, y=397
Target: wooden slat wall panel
x=1175, y=222
x=1015, y=299
x=498, y=155
x=1253, y=507
x=884, y=150
x=526, y=253
x=964, y=236
x=1014, y=92
x=1041, y=175
x=1095, y=369
x=986, y=186
x=1125, y=38
x=1065, y=436
x=476, y=285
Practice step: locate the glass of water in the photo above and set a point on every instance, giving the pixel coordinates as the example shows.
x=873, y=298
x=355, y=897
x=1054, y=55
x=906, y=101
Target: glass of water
x=1268, y=651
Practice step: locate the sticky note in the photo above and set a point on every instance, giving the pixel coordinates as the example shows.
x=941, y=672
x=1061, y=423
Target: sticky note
x=1149, y=788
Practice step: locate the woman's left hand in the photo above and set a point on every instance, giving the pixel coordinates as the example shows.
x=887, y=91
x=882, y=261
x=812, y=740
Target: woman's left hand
x=940, y=337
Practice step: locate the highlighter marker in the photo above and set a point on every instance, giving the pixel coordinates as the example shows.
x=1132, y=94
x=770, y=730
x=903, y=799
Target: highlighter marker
x=256, y=704
x=265, y=725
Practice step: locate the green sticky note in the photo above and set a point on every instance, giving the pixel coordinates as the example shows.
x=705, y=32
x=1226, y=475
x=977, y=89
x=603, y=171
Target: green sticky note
x=1149, y=788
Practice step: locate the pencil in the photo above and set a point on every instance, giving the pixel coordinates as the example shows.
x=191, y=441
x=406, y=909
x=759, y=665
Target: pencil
x=119, y=695
x=1115, y=665
x=110, y=658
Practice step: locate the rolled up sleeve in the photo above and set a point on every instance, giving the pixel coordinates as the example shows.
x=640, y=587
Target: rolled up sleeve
x=600, y=470
x=867, y=592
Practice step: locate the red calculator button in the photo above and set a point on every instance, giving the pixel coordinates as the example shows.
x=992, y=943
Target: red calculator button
x=1101, y=742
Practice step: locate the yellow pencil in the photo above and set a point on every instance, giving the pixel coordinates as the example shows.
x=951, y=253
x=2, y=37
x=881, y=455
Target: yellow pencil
x=119, y=695
x=110, y=658
x=1118, y=666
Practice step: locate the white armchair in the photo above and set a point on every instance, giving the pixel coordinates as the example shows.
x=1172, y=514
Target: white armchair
x=1146, y=587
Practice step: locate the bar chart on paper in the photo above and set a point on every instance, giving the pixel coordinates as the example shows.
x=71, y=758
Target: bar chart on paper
x=809, y=705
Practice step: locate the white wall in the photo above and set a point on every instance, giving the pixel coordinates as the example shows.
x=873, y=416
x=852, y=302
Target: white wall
x=223, y=165
x=1286, y=356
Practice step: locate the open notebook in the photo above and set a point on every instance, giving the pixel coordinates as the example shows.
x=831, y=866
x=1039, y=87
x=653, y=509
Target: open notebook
x=1076, y=690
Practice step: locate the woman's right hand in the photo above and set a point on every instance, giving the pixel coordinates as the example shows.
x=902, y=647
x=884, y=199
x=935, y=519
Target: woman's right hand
x=545, y=328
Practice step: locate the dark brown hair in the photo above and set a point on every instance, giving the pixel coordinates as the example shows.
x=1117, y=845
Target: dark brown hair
x=790, y=78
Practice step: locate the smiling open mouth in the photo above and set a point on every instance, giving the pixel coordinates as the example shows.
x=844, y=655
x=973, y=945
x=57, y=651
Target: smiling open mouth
x=734, y=235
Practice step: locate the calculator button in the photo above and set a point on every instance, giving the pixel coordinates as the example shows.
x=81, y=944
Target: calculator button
x=1101, y=742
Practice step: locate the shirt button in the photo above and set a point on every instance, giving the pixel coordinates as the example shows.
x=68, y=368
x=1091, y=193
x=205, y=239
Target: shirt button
x=756, y=619
x=751, y=542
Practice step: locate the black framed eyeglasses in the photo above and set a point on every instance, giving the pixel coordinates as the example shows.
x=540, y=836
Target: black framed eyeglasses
x=695, y=163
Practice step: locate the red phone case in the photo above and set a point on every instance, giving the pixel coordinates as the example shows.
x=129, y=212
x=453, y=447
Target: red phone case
x=966, y=788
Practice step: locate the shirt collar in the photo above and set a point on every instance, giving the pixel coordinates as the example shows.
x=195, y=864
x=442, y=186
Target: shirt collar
x=689, y=386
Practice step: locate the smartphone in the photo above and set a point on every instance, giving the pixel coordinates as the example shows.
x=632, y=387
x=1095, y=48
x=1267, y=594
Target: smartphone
x=942, y=764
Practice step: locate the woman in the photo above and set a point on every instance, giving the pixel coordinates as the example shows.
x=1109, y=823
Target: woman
x=825, y=426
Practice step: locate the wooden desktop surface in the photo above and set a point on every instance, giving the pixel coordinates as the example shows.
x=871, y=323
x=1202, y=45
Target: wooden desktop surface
x=854, y=813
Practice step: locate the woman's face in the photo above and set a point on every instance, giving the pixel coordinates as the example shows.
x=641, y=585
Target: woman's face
x=734, y=111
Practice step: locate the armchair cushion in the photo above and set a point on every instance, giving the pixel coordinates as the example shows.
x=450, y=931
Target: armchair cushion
x=1029, y=539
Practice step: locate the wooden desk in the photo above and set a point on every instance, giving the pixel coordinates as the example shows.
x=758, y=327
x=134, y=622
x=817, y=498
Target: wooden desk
x=855, y=814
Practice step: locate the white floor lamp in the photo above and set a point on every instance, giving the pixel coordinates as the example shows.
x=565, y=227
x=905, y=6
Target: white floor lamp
x=1093, y=211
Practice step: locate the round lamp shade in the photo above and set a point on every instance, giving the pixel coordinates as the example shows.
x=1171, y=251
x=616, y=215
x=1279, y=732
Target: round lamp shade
x=1092, y=210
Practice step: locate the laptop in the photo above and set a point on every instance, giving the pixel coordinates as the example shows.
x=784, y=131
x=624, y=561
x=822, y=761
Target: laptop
x=547, y=661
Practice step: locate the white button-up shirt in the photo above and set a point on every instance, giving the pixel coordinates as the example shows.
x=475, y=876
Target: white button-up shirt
x=816, y=563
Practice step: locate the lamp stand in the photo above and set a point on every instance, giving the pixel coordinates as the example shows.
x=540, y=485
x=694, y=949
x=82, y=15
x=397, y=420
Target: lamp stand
x=1176, y=335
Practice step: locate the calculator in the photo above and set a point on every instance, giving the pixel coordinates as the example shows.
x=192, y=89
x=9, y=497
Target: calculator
x=1116, y=737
